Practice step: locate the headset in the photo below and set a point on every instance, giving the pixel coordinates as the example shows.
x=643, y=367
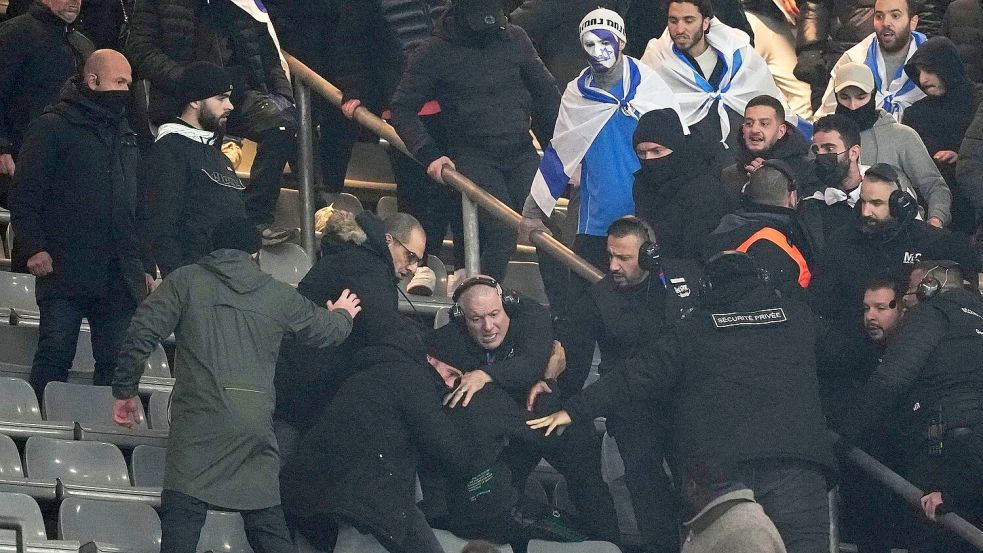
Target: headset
x=741, y=264
x=903, y=206
x=930, y=286
x=510, y=298
x=649, y=253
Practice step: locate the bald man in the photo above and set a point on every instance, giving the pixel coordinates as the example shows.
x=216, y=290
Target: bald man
x=74, y=207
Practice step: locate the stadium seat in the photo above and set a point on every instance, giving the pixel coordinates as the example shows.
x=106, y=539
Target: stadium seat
x=287, y=212
x=90, y=470
x=12, y=478
x=524, y=277
x=287, y=262
x=109, y=525
x=17, y=292
x=386, y=206
x=20, y=416
x=23, y=509
x=539, y=546
x=442, y=317
x=561, y=497
x=91, y=408
x=613, y=472
x=160, y=410
x=147, y=466
x=343, y=201
x=223, y=532
x=440, y=272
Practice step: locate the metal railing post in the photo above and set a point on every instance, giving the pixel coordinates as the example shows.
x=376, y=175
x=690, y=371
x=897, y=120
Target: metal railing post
x=834, y=520
x=472, y=250
x=10, y=523
x=305, y=169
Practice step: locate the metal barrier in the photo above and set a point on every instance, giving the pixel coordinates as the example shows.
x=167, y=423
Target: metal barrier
x=8, y=523
x=473, y=195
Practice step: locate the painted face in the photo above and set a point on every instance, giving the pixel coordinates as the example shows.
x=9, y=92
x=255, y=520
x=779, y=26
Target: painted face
x=602, y=49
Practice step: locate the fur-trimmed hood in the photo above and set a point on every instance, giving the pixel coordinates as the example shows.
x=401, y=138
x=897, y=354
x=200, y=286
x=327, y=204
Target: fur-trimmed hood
x=365, y=230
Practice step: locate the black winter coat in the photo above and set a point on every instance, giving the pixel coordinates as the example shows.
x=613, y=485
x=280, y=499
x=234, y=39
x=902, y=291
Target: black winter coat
x=40, y=52
x=76, y=197
x=189, y=188
x=488, y=89
x=167, y=35
x=792, y=148
x=969, y=168
x=963, y=24
x=741, y=390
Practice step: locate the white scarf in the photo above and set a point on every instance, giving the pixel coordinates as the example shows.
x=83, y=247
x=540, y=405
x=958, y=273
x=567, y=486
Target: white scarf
x=198, y=135
x=257, y=11
x=746, y=75
x=584, y=110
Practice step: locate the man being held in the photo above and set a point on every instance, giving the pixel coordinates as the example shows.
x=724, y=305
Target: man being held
x=75, y=209
x=228, y=318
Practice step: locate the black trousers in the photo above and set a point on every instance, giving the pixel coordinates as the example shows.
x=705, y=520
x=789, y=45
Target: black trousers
x=182, y=517
x=275, y=148
x=563, y=287
x=506, y=173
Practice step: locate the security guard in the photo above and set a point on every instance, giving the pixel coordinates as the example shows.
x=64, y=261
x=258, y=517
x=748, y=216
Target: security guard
x=740, y=374
x=641, y=290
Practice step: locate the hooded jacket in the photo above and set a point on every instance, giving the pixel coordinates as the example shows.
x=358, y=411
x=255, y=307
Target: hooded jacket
x=189, y=188
x=891, y=142
x=963, y=24
x=40, y=52
x=969, y=167
x=76, y=197
x=489, y=89
x=228, y=318
x=792, y=148
x=941, y=122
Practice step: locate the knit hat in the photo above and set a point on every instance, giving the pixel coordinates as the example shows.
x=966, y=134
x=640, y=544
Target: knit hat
x=606, y=19
x=661, y=126
x=482, y=14
x=236, y=233
x=202, y=80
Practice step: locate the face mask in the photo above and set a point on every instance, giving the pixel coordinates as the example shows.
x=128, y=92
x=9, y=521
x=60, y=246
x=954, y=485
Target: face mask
x=659, y=170
x=832, y=168
x=114, y=101
x=865, y=116
x=602, y=49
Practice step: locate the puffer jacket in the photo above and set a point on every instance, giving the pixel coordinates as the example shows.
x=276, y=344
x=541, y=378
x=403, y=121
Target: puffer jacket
x=969, y=168
x=963, y=24
x=167, y=35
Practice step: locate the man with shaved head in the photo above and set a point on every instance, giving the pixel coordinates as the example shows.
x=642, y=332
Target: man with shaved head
x=74, y=205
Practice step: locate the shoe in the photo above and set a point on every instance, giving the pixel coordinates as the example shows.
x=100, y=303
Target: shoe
x=453, y=280
x=277, y=235
x=423, y=282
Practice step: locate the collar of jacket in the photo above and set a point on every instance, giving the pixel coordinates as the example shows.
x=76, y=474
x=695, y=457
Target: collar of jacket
x=364, y=230
x=44, y=15
x=791, y=147
x=77, y=109
x=717, y=508
x=779, y=218
x=180, y=127
x=236, y=269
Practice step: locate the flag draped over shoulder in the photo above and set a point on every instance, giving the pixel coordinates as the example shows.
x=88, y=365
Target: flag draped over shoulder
x=584, y=110
x=257, y=11
x=746, y=75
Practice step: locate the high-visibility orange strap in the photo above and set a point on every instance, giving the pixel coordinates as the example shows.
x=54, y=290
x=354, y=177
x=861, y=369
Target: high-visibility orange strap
x=780, y=240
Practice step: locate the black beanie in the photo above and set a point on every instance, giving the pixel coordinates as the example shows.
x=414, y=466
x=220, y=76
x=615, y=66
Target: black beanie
x=236, y=234
x=661, y=126
x=202, y=80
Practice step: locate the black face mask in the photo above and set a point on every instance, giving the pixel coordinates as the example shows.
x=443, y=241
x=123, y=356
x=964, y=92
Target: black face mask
x=661, y=169
x=114, y=101
x=832, y=168
x=865, y=116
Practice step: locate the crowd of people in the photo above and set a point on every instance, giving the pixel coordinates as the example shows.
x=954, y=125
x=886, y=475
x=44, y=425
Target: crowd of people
x=784, y=198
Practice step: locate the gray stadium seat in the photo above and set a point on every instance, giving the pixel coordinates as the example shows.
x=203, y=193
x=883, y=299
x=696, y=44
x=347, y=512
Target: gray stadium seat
x=147, y=466
x=90, y=470
x=440, y=272
x=442, y=317
x=20, y=416
x=110, y=525
x=24, y=510
x=12, y=478
x=223, y=532
x=351, y=540
x=453, y=544
x=524, y=277
x=613, y=472
x=539, y=546
x=561, y=497
x=17, y=292
x=386, y=206
x=343, y=201
x=160, y=410
x=91, y=408
x=287, y=262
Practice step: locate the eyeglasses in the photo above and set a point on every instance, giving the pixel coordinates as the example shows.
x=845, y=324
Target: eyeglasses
x=816, y=150
x=413, y=258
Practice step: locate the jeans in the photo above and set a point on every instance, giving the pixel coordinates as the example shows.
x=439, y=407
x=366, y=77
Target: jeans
x=507, y=174
x=182, y=517
x=58, y=337
x=793, y=494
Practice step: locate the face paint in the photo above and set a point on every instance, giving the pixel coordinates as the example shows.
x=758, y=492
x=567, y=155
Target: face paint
x=602, y=49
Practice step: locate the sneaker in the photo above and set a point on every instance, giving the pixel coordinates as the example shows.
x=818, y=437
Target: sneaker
x=423, y=282
x=277, y=235
x=453, y=280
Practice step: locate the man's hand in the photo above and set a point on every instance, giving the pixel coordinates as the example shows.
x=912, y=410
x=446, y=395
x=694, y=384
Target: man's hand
x=151, y=282
x=755, y=164
x=558, y=420
x=529, y=224
x=930, y=503
x=126, y=412
x=935, y=222
x=7, y=164
x=346, y=301
x=538, y=388
x=471, y=382
x=557, y=363
x=349, y=107
x=40, y=264
x=946, y=156
x=437, y=166
x=791, y=7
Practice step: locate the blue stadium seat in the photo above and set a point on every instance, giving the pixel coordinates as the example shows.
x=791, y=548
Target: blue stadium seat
x=91, y=408
x=109, y=525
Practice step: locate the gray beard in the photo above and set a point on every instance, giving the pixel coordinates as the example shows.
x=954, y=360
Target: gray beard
x=610, y=77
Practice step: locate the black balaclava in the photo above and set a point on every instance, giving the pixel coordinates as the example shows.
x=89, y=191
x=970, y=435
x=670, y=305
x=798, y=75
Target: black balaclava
x=662, y=126
x=477, y=22
x=865, y=116
x=114, y=102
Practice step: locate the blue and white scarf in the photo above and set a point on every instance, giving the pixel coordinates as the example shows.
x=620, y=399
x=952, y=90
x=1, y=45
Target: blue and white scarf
x=584, y=110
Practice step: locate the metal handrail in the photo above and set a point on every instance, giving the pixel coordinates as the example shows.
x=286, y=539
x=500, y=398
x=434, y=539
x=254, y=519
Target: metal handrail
x=542, y=240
